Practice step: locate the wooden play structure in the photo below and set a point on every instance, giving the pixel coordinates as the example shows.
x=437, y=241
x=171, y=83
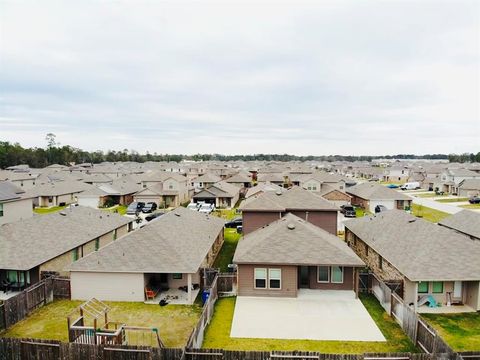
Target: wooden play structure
x=89, y=324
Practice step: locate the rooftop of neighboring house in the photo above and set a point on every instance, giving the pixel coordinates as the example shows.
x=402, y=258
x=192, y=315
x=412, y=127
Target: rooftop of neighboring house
x=207, y=178
x=465, y=221
x=262, y=188
x=372, y=191
x=160, y=176
x=30, y=242
x=294, y=241
x=294, y=198
x=463, y=173
x=177, y=242
x=419, y=249
x=470, y=184
x=58, y=188
x=10, y=192
x=241, y=177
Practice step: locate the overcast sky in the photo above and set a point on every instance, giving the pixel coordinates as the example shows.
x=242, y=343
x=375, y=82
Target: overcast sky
x=323, y=77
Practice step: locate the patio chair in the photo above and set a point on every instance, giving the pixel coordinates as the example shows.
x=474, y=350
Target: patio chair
x=150, y=293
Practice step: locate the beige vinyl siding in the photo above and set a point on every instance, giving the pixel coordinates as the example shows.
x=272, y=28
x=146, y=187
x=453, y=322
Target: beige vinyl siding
x=107, y=286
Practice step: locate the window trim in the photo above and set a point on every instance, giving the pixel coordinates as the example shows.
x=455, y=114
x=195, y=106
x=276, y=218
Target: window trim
x=418, y=287
x=177, y=276
x=343, y=275
x=255, y=278
x=318, y=274
x=270, y=278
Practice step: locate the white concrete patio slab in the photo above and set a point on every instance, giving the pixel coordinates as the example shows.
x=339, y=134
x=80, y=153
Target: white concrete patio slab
x=313, y=315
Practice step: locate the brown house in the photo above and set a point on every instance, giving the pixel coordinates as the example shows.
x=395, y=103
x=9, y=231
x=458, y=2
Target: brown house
x=261, y=210
x=291, y=254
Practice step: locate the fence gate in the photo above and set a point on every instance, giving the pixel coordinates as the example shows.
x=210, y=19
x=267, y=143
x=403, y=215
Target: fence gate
x=363, y=282
x=31, y=350
x=425, y=337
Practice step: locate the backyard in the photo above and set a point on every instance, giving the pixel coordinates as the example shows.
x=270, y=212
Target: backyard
x=48, y=210
x=120, y=209
x=460, y=331
x=225, y=255
x=174, y=322
x=428, y=213
x=217, y=334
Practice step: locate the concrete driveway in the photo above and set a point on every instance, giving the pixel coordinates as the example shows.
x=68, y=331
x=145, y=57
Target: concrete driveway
x=313, y=315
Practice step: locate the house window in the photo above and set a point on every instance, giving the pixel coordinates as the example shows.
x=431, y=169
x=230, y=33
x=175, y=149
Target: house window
x=12, y=276
x=380, y=262
x=170, y=186
x=423, y=287
x=50, y=199
x=337, y=274
x=323, y=274
x=275, y=278
x=97, y=244
x=437, y=287
x=1, y=210
x=260, y=278
x=177, y=276
x=75, y=254
x=314, y=188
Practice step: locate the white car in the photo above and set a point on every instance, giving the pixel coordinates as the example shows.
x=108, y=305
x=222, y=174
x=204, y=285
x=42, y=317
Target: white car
x=193, y=206
x=206, y=208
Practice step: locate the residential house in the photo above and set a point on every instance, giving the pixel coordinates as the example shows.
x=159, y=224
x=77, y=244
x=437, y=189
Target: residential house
x=14, y=203
x=469, y=188
x=258, y=211
x=166, y=254
x=221, y=194
x=466, y=222
x=241, y=180
x=291, y=254
x=396, y=174
x=205, y=181
x=165, y=189
x=452, y=178
x=263, y=188
x=369, y=195
x=57, y=193
x=336, y=196
x=425, y=259
x=22, y=179
x=49, y=243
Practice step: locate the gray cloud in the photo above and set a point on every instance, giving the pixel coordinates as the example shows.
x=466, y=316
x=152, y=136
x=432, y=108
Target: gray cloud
x=325, y=77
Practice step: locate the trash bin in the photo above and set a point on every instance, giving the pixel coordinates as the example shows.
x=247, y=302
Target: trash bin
x=205, y=295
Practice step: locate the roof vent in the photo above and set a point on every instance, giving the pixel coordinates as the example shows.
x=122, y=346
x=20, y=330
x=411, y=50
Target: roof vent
x=63, y=213
x=177, y=214
x=278, y=192
x=412, y=220
x=291, y=226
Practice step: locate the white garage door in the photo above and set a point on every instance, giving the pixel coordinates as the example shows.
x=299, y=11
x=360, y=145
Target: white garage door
x=88, y=201
x=107, y=286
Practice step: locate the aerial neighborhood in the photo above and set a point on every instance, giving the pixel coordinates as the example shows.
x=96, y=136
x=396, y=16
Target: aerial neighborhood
x=372, y=256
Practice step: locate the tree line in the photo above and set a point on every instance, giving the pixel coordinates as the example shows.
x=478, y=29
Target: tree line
x=15, y=154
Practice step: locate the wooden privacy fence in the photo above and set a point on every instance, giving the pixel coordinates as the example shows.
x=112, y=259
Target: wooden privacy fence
x=421, y=334
x=19, y=306
x=196, y=337
x=227, y=284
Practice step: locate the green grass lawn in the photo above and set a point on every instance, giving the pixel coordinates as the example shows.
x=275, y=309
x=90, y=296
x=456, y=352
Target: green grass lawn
x=428, y=213
x=360, y=212
x=225, y=255
x=452, y=200
x=470, y=206
x=48, y=210
x=460, y=331
x=227, y=214
x=430, y=195
x=120, y=209
x=217, y=334
x=175, y=322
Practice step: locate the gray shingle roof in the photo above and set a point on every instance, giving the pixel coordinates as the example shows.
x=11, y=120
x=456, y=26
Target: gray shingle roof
x=419, y=249
x=465, y=221
x=175, y=243
x=305, y=244
x=9, y=191
x=372, y=191
x=27, y=243
x=295, y=198
x=470, y=184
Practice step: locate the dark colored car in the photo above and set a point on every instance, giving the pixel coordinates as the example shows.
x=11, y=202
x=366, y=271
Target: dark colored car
x=348, y=211
x=474, y=200
x=153, y=216
x=135, y=207
x=149, y=207
x=380, y=208
x=234, y=223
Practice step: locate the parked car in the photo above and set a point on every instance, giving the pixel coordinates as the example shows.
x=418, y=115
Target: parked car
x=149, y=207
x=232, y=224
x=474, y=200
x=410, y=186
x=135, y=207
x=154, y=216
x=206, y=208
x=348, y=211
x=193, y=206
x=392, y=186
x=380, y=208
